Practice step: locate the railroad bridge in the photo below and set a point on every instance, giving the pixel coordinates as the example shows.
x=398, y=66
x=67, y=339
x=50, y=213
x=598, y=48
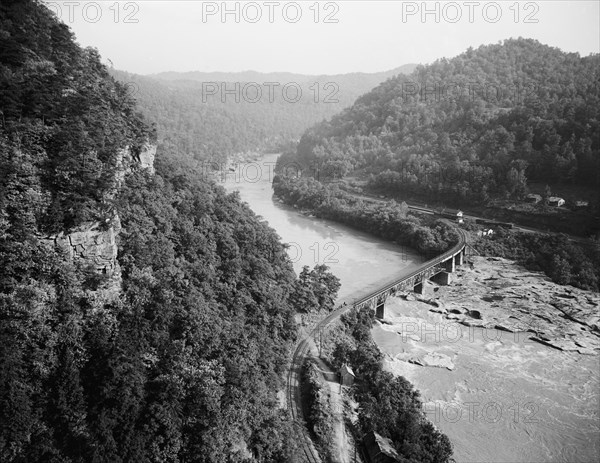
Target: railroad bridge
x=438, y=268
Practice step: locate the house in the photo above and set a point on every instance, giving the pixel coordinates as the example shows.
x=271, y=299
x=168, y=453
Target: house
x=555, y=201
x=380, y=449
x=485, y=232
x=533, y=198
x=346, y=375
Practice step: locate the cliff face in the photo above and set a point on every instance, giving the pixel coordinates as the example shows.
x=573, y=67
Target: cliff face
x=129, y=159
x=93, y=245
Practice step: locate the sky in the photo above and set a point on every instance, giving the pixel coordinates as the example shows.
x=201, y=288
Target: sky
x=316, y=37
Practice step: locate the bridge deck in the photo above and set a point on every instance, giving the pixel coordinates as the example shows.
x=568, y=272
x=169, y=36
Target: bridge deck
x=424, y=271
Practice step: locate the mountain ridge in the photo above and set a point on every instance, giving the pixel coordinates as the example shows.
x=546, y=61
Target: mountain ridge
x=215, y=125
x=250, y=75
x=455, y=114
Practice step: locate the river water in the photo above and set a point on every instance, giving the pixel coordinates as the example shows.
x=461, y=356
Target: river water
x=505, y=400
x=359, y=260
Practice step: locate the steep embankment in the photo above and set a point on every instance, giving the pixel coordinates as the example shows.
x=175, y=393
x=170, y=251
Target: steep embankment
x=145, y=314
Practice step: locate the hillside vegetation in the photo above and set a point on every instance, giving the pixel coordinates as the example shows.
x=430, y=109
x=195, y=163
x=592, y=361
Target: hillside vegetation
x=482, y=125
x=214, y=115
x=183, y=358
x=390, y=221
x=388, y=405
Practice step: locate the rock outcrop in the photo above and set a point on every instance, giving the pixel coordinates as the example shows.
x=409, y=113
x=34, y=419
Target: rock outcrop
x=497, y=293
x=146, y=157
x=93, y=245
x=129, y=159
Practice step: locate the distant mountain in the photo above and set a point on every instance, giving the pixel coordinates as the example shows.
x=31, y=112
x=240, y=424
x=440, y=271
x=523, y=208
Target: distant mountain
x=466, y=129
x=198, y=115
x=254, y=76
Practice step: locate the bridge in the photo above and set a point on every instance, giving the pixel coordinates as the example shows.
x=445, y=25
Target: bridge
x=439, y=267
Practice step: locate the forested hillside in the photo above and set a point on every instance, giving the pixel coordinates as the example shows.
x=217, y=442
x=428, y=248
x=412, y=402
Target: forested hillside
x=427, y=234
x=180, y=358
x=195, y=115
x=481, y=125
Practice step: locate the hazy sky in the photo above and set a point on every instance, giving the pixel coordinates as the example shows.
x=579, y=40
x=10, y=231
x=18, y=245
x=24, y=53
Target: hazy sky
x=316, y=37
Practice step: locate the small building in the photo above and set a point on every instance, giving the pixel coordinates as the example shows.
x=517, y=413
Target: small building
x=451, y=214
x=346, y=375
x=380, y=449
x=533, y=198
x=555, y=201
x=485, y=232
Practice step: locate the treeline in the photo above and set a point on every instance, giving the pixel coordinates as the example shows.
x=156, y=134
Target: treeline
x=185, y=363
x=63, y=120
x=212, y=116
x=478, y=126
x=315, y=288
x=388, y=405
x=316, y=399
x=390, y=221
x=564, y=261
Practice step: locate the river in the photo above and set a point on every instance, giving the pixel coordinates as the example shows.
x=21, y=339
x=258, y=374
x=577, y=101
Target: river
x=359, y=260
x=506, y=399
x=534, y=403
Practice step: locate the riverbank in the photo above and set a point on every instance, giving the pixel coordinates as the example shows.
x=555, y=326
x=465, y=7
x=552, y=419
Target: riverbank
x=513, y=371
x=506, y=361
x=496, y=293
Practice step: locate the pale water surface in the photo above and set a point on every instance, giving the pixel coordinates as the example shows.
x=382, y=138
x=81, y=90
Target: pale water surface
x=359, y=260
x=506, y=400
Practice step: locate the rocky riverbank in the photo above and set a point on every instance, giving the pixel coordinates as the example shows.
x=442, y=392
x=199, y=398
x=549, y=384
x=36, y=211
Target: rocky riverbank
x=497, y=293
x=505, y=360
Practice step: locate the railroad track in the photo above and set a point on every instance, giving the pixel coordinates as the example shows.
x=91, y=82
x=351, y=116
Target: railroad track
x=302, y=349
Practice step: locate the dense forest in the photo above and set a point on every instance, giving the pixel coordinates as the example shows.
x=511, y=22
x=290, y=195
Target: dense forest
x=564, y=261
x=183, y=362
x=390, y=221
x=388, y=405
x=195, y=115
x=482, y=125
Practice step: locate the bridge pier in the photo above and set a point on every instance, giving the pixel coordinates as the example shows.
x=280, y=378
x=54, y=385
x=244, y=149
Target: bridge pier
x=418, y=288
x=459, y=258
x=442, y=278
x=450, y=265
x=380, y=309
